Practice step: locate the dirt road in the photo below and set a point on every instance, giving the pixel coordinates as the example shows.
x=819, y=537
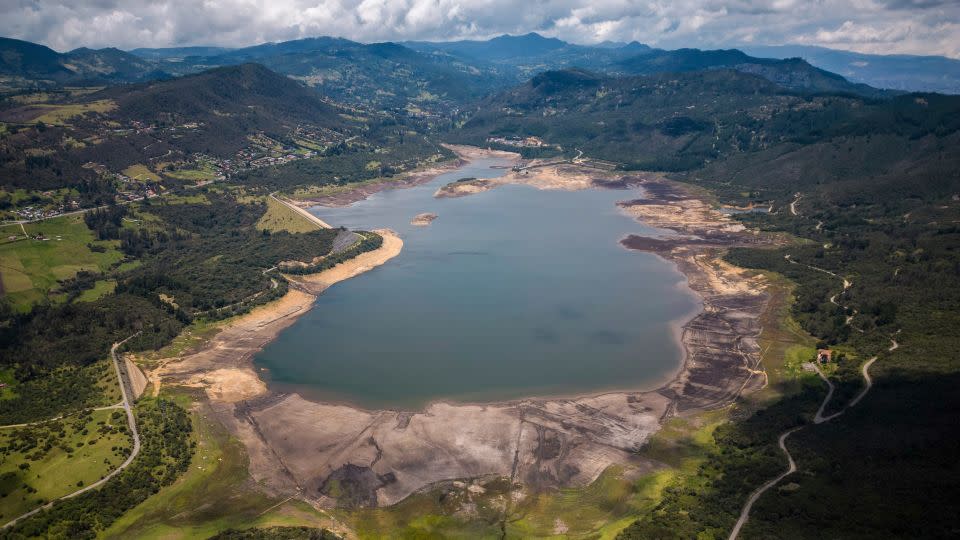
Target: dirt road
x=819, y=418
x=127, y=391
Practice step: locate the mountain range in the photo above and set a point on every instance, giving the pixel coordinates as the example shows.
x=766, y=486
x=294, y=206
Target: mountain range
x=439, y=77
x=896, y=71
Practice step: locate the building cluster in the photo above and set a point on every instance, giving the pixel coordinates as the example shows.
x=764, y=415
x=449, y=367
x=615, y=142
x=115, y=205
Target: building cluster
x=31, y=213
x=519, y=142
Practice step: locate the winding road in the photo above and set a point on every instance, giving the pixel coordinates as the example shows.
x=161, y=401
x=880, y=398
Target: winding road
x=819, y=418
x=126, y=390
x=793, y=205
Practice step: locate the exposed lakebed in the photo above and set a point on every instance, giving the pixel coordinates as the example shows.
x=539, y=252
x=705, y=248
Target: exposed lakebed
x=510, y=293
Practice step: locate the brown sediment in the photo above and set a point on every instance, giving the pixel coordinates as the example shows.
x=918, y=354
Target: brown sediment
x=298, y=447
x=346, y=197
x=560, y=176
x=722, y=357
x=422, y=220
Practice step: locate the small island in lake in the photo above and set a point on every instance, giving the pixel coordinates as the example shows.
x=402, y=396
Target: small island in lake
x=424, y=219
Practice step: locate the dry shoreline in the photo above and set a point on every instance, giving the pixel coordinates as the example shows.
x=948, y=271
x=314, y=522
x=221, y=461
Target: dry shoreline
x=298, y=447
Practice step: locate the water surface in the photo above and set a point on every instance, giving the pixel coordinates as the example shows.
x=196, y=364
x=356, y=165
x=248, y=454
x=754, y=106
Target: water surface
x=510, y=293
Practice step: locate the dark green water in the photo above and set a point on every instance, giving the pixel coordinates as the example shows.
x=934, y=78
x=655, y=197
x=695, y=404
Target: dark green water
x=510, y=293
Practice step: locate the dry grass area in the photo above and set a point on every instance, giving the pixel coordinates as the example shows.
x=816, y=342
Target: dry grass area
x=60, y=114
x=141, y=172
x=280, y=217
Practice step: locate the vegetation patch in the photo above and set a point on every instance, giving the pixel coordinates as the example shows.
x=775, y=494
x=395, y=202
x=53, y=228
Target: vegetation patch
x=141, y=173
x=279, y=217
x=212, y=495
x=165, y=455
x=55, y=250
x=45, y=461
x=63, y=390
x=276, y=533
x=59, y=114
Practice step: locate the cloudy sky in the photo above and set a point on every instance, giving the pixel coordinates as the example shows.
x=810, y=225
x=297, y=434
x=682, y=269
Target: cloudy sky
x=874, y=26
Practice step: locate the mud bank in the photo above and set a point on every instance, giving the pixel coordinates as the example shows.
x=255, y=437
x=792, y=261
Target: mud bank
x=563, y=176
x=722, y=354
x=353, y=194
x=378, y=457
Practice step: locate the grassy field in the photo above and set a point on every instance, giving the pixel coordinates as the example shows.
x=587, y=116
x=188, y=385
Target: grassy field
x=213, y=495
x=30, y=268
x=107, y=383
x=599, y=510
x=281, y=218
x=46, y=461
x=192, y=336
x=141, y=172
x=205, y=172
x=99, y=290
x=9, y=381
x=59, y=114
x=784, y=344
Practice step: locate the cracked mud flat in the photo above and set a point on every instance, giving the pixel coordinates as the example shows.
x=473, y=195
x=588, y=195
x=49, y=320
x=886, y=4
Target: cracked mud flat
x=722, y=354
x=303, y=448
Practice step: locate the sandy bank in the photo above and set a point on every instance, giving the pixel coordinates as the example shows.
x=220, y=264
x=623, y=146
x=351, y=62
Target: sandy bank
x=317, y=283
x=566, y=177
x=223, y=366
x=472, y=153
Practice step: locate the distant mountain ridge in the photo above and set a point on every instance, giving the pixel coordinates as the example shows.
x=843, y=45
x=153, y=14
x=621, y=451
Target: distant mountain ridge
x=27, y=60
x=375, y=75
x=524, y=56
x=681, y=121
x=791, y=73
x=435, y=78
x=898, y=71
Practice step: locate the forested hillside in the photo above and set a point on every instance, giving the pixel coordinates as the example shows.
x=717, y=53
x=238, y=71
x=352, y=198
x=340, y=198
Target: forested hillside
x=25, y=65
x=78, y=148
x=683, y=121
x=874, y=190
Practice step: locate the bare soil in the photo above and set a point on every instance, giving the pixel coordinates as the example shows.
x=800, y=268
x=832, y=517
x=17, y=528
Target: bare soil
x=423, y=220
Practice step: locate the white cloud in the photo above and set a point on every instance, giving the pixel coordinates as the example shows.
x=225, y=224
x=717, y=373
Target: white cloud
x=888, y=26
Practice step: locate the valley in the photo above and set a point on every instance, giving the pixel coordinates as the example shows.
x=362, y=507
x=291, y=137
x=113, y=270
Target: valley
x=537, y=443
x=508, y=288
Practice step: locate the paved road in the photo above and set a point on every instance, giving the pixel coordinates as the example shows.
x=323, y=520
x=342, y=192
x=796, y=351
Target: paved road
x=127, y=390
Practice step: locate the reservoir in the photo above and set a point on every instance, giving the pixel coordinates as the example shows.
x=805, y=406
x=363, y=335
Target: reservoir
x=514, y=292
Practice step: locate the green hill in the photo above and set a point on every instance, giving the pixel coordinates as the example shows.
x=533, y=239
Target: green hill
x=25, y=65
x=681, y=121
x=791, y=73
